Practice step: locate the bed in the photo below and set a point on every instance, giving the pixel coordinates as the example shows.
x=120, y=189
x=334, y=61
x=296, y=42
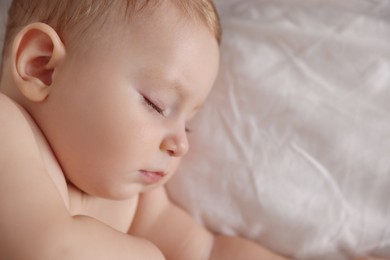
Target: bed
x=292, y=148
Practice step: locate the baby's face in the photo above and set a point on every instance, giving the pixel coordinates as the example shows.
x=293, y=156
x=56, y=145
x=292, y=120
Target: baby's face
x=116, y=117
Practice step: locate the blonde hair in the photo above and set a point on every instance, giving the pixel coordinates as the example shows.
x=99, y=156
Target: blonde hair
x=76, y=17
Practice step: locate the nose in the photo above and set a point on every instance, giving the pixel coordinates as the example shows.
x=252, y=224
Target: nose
x=175, y=143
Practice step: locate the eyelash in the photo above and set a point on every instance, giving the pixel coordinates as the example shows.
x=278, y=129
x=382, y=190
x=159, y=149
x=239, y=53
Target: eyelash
x=159, y=110
x=154, y=106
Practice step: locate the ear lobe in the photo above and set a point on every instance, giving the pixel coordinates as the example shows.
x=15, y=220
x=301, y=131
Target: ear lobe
x=37, y=52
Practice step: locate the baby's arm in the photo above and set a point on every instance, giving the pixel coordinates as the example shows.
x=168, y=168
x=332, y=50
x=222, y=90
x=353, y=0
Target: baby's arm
x=179, y=237
x=34, y=223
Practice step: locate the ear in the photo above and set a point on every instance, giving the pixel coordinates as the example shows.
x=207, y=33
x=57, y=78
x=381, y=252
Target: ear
x=37, y=52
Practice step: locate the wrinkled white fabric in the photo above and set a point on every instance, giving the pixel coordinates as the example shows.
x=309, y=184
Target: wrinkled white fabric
x=293, y=146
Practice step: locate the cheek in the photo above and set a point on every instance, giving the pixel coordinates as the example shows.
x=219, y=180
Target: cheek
x=134, y=133
x=118, y=126
x=107, y=129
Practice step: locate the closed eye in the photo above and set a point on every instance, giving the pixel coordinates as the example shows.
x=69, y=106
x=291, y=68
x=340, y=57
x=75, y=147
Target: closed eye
x=154, y=106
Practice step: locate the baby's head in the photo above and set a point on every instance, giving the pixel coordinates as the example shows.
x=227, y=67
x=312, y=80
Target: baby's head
x=112, y=84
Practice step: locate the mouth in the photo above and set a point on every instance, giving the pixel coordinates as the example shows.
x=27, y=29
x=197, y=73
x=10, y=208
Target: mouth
x=151, y=177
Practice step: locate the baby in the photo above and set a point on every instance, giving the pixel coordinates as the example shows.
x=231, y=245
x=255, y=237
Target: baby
x=95, y=99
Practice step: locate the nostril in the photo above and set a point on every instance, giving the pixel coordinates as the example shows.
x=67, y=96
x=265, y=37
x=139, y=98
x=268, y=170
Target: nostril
x=175, y=144
x=171, y=153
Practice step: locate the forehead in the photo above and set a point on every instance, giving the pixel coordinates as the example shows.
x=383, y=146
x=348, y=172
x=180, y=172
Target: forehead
x=160, y=44
x=165, y=40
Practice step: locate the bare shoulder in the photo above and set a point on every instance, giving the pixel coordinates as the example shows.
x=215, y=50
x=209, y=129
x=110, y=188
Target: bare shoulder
x=21, y=164
x=6, y=102
x=14, y=128
x=8, y=105
x=8, y=110
x=27, y=194
x=16, y=135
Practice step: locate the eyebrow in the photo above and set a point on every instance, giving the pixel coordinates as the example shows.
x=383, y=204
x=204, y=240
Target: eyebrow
x=156, y=74
x=173, y=83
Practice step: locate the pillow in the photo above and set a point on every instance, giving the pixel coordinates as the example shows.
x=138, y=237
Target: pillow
x=292, y=147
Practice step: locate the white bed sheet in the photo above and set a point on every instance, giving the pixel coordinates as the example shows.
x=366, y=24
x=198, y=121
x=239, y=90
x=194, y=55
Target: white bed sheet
x=293, y=147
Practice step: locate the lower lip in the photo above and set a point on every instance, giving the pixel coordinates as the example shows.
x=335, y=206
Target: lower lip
x=151, y=177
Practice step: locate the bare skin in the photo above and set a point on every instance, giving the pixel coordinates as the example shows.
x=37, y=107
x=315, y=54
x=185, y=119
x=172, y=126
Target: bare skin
x=82, y=134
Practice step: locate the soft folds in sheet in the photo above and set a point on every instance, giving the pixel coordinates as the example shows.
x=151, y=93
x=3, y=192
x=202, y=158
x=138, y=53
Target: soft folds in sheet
x=293, y=147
